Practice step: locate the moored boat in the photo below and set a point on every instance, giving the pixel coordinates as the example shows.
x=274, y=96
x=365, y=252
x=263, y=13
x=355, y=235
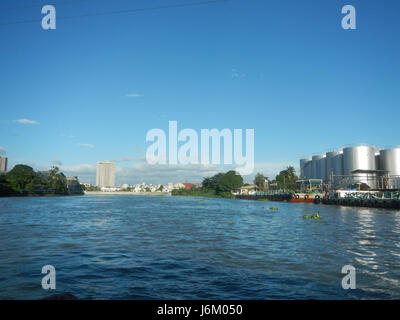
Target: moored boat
x=308, y=191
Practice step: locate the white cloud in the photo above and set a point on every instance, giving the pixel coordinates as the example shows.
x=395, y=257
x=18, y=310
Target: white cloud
x=124, y=159
x=2, y=150
x=56, y=161
x=133, y=95
x=80, y=168
x=155, y=174
x=85, y=172
x=68, y=136
x=27, y=121
x=143, y=171
x=237, y=74
x=88, y=145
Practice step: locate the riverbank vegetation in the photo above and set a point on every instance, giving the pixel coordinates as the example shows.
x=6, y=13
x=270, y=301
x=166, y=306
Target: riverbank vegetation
x=22, y=180
x=92, y=188
x=219, y=185
x=286, y=179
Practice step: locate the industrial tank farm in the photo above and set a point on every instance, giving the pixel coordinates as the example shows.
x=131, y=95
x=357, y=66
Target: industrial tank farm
x=357, y=176
x=357, y=164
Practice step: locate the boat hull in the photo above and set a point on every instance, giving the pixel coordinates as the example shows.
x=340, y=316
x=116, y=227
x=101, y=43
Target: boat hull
x=302, y=200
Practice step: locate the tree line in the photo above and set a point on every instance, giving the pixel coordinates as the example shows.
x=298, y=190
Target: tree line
x=222, y=184
x=219, y=185
x=22, y=180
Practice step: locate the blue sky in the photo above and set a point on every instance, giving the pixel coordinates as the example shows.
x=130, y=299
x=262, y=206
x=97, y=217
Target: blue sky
x=286, y=69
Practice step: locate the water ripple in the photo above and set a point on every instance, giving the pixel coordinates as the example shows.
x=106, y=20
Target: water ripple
x=117, y=247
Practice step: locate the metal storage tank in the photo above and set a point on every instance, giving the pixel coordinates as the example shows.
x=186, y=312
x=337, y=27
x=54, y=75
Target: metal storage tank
x=330, y=157
x=360, y=158
x=321, y=168
x=302, y=165
x=307, y=170
x=338, y=167
x=390, y=161
x=378, y=160
x=314, y=166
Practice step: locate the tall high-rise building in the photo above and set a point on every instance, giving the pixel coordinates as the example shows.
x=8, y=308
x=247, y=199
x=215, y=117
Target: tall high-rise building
x=105, y=176
x=3, y=164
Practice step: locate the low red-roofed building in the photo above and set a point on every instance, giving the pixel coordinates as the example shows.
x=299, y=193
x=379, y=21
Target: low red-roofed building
x=188, y=186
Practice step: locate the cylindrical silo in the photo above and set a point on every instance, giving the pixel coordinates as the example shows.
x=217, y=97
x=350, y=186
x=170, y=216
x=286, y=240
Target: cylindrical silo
x=307, y=170
x=360, y=158
x=378, y=160
x=338, y=167
x=321, y=168
x=390, y=161
x=302, y=164
x=330, y=156
x=314, y=166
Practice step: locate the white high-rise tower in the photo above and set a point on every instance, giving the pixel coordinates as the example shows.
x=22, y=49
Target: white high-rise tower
x=105, y=176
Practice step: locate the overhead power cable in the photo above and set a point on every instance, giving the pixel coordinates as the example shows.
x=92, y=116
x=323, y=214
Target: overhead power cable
x=179, y=5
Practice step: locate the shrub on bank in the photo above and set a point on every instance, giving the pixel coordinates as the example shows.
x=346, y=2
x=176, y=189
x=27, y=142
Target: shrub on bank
x=219, y=185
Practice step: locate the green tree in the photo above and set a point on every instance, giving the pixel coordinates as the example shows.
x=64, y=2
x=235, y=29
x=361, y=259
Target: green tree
x=23, y=180
x=57, y=181
x=287, y=178
x=6, y=189
x=20, y=176
x=91, y=188
x=211, y=183
x=259, y=181
x=229, y=181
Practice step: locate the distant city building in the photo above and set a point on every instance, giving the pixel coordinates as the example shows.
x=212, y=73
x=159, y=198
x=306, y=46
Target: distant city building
x=105, y=176
x=179, y=185
x=3, y=164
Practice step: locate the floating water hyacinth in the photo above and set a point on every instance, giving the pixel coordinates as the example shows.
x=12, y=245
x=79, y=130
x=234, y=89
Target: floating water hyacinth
x=273, y=208
x=315, y=216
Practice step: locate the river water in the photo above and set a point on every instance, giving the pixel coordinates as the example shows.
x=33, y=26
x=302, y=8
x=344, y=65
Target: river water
x=143, y=247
